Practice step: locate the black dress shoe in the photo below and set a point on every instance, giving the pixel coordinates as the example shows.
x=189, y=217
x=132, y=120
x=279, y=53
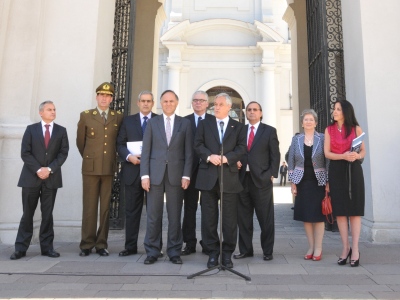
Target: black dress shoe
x=212, y=262
x=242, y=255
x=17, y=255
x=150, y=260
x=102, y=252
x=227, y=263
x=176, y=260
x=51, y=253
x=127, y=252
x=188, y=250
x=85, y=252
x=268, y=257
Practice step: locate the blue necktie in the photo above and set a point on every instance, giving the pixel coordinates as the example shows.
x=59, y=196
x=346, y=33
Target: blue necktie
x=144, y=124
x=198, y=120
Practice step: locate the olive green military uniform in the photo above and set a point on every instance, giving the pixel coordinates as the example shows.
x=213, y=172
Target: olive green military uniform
x=96, y=141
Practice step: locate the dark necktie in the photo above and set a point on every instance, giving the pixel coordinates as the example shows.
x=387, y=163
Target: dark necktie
x=198, y=120
x=251, y=138
x=144, y=124
x=46, y=135
x=103, y=115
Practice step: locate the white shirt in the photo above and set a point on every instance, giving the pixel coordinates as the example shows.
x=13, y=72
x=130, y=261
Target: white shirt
x=50, y=128
x=248, y=134
x=225, y=120
x=196, y=118
x=172, y=119
x=141, y=123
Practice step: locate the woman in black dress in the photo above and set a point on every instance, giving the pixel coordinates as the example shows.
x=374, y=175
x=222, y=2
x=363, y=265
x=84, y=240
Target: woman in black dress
x=346, y=178
x=308, y=174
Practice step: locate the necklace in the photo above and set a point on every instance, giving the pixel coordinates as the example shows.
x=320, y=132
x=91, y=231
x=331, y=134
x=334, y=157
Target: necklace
x=309, y=142
x=340, y=129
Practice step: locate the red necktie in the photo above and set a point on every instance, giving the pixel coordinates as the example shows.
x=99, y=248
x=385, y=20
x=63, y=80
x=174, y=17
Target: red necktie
x=47, y=135
x=251, y=138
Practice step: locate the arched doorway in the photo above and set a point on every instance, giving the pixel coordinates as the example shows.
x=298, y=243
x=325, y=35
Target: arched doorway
x=238, y=106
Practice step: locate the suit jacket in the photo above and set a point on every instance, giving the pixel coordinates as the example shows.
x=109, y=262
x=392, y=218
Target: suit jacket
x=157, y=154
x=35, y=155
x=196, y=158
x=130, y=131
x=96, y=142
x=264, y=156
x=283, y=169
x=207, y=142
x=296, y=159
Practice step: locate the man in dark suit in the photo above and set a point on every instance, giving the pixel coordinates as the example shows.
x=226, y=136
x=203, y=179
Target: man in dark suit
x=96, y=141
x=191, y=194
x=208, y=148
x=44, y=149
x=283, y=172
x=132, y=130
x=258, y=167
x=165, y=167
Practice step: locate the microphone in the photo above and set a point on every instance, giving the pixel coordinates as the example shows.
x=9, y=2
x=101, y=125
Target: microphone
x=221, y=124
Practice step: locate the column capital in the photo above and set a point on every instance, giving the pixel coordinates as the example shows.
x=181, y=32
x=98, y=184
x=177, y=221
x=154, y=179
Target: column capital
x=268, y=67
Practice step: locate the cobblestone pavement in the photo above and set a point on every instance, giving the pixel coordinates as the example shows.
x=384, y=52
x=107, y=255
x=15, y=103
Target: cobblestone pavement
x=287, y=276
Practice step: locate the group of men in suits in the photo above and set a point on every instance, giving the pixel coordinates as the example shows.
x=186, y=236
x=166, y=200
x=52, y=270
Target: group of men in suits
x=181, y=158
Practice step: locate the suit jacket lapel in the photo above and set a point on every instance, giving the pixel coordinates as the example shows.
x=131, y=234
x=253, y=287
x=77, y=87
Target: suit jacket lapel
x=193, y=123
x=53, y=134
x=260, y=130
x=177, y=125
x=39, y=133
x=229, y=129
x=316, y=143
x=300, y=141
x=161, y=128
x=137, y=124
x=214, y=129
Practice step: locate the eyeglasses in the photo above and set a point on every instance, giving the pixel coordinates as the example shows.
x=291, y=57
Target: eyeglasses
x=253, y=109
x=199, y=100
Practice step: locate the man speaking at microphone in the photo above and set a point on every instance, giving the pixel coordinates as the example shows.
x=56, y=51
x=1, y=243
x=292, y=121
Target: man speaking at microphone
x=210, y=134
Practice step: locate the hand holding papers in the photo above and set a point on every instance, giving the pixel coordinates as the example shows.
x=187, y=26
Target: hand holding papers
x=135, y=148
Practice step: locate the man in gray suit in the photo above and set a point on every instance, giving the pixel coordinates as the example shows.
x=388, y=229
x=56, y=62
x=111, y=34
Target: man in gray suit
x=165, y=167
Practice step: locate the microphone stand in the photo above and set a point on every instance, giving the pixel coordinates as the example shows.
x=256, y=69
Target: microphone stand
x=221, y=189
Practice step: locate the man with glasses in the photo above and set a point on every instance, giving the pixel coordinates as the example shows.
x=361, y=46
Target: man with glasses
x=258, y=167
x=191, y=195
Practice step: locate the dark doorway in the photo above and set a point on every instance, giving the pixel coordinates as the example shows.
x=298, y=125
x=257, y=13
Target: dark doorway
x=237, y=111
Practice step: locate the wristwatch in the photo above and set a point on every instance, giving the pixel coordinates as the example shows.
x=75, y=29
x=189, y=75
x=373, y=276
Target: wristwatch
x=49, y=169
x=208, y=159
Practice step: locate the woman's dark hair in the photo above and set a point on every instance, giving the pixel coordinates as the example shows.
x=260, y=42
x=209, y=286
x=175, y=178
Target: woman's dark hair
x=349, y=116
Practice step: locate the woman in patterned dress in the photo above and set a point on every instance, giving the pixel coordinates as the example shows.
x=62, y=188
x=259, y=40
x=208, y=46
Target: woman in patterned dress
x=346, y=178
x=308, y=174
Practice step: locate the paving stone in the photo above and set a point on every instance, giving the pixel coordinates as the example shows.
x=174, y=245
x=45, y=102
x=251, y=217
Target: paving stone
x=339, y=279
x=8, y=294
x=178, y=294
x=109, y=279
x=386, y=279
x=104, y=286
x=5, y=278
x=22, y=266
x=277, y=269
x=379, y=269
x=164, y=279
x=88, y=267
x=147, y=287
x=55, y=286
x=202, y=287
x=371, y=288
x=46, y=294
x=19, y=286
x=120, y=295
x=276, y=288
x=319, y=288
x=347, y=295
x=395, y=287
x=281, y=295
x=43, y=278
x=227, y=294
x=386, y=295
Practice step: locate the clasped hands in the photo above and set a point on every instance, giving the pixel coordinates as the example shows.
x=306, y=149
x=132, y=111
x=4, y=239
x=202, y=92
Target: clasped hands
x=216, y=159
x=351, y=156
x=134, y=159
x=43, y=173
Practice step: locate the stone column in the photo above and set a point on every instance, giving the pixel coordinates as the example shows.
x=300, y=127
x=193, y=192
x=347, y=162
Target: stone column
x=268, y=101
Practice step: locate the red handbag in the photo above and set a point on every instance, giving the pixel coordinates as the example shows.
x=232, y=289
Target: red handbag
x=327, y=208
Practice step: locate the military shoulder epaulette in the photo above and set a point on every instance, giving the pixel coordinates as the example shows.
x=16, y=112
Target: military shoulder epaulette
x=118, y=112
x=86, y=111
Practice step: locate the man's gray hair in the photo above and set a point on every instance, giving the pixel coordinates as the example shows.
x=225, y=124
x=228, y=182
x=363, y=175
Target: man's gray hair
x=201, y=93
x=227, y=97
x=146, y=93
x=309, y=111
x=41, y=106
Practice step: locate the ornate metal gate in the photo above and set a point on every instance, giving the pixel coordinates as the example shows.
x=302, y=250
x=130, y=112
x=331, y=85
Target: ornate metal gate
x=325, y=57
x=122, y=55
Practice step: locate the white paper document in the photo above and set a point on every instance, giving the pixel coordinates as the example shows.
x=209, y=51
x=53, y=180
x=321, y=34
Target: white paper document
x=135, y=148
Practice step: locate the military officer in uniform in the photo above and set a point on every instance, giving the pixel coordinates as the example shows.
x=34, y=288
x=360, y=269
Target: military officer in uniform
x=96, y=141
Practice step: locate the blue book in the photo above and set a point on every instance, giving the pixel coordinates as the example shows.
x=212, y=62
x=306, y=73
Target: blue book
x=357, y=142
